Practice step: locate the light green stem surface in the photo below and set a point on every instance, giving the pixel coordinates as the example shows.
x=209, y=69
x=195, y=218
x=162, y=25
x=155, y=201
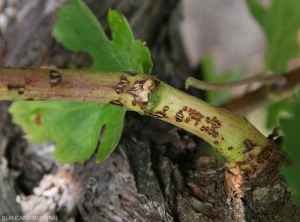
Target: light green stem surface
x=147, y=95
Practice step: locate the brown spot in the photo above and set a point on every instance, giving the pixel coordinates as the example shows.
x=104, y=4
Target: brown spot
x=216, y=142
x=202, y=128
x=119, y=86
x=187, y=119
x=166, y=108
x=21, y=90
x=38, y=120
x=230, y=148
x=118, y=91
x=215, y=122
x=185, y=108
x=207, y=119
x=54, y=74
x=55, y=78
x=116, y=102
x=155, y=114
x=159, y=114
x=179, y=117
x=196, y=124
x=132, y=73
x=54, y=81
x=213, y=133
x=124, y=81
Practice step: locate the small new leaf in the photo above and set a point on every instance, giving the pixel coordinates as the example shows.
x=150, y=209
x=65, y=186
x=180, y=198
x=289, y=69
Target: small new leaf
x=76, y=127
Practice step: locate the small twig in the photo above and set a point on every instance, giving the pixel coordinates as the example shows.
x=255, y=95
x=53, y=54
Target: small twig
x=261, y=96
x=199, y=84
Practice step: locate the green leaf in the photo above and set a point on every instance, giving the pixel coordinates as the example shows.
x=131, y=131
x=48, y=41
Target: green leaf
x=75, y=127
x=276, y=110
x=291, y=146
x=280, y=22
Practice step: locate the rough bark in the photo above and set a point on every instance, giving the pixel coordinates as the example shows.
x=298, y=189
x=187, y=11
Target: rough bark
x=157, y=173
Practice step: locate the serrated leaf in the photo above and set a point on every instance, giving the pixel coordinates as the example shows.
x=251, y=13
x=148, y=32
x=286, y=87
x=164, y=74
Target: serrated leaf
x=280, y=22
x=75, y=127
x=291, y=146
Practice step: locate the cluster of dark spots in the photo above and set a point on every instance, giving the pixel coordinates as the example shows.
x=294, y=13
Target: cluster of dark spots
x=179, y=116
x=19, y=88
x=215, y=124
x=204, y=128
x=197, y=116
x=132, y=73
x=55, y=78
x=122, y=84
x=116, y=102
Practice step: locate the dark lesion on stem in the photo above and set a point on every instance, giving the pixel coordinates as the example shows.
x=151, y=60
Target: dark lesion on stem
x=18, y=87
x=55, y=78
